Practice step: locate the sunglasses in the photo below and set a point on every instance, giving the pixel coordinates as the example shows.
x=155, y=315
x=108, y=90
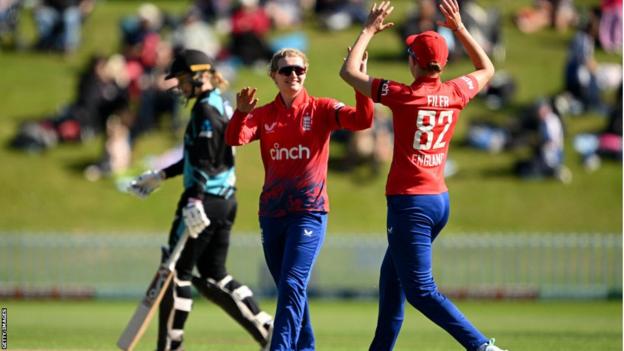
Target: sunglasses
x=288, y=70
x=411, y=52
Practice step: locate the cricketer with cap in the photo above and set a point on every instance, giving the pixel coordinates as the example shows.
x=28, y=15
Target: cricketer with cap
x=424, y=116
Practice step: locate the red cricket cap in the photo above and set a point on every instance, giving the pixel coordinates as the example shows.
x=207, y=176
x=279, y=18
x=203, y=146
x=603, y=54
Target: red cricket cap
x=428, y=47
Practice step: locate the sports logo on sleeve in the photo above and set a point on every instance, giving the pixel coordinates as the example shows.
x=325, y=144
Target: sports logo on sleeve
x=468, y=82
x=385, y=88
x=206, y=130
x=339, y=105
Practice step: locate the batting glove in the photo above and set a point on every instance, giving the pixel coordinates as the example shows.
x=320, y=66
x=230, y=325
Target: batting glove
x=195, y=218
x=147, y=182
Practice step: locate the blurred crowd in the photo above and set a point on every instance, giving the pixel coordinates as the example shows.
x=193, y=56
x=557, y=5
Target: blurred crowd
x=123, y=96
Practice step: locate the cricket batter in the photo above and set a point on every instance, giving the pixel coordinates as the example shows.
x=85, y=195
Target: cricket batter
x=207, y=208
x=424, y=116
x=294, y=131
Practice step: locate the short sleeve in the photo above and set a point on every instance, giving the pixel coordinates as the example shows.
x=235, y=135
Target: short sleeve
x=466, y=88
x=390, y=93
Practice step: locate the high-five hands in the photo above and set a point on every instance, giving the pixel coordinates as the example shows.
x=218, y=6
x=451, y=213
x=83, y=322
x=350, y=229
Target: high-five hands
x=246, y=99
x=378, y=13
x=450, y=10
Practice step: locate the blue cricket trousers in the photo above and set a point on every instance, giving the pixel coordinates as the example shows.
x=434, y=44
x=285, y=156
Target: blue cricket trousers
x=413, y=222
x=291, y=245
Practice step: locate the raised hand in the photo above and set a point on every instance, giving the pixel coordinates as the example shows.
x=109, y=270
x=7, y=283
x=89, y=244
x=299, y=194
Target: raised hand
x=246, y=99
x=378, y=13
x=450, y=10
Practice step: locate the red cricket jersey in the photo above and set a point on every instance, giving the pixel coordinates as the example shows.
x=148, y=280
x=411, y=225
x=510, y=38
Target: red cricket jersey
x=294, y=143
x=424, y=115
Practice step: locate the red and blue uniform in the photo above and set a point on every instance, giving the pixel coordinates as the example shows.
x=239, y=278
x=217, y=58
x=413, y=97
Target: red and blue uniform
x=294, y=144
x=424, y=116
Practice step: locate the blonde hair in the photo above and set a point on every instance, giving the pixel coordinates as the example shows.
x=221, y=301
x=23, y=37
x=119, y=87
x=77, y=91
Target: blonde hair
x=218, y=81
x=287, y=52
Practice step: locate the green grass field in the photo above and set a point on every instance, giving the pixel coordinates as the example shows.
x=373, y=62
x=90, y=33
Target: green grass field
x=48, y=192
x=339, y=326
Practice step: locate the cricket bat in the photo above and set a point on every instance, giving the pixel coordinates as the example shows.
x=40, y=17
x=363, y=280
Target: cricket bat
x=149, y=303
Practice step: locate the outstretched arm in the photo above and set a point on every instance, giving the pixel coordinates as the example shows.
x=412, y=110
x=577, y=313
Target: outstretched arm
x=482, y=63
x=351, y=71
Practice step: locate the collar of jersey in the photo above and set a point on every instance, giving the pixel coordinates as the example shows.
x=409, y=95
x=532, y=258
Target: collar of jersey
x=300, y=100
x=205, y=94
x=427, y=80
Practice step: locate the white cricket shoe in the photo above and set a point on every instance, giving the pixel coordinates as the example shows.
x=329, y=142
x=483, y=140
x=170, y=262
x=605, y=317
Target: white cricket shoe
x=489, y=346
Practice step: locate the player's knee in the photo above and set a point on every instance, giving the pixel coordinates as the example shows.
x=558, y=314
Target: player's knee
x=292, y=285
x=424, y=297
x=183, y=288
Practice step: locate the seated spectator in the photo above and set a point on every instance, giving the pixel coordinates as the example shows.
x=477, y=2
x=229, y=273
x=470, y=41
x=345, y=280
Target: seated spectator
x=485, y=26
x=140, y=40
x=59, y=23
x=284, y=14
x=100, y=93
x=558, y=14
x=156, y=98
x=606, y=144
x=371, y=147
x=250, y=25
x=547, y=159
x=9, y=24
x=585, y=78
x=610, y=27
x=213, y=10
x=338, y=15
x=194, y=33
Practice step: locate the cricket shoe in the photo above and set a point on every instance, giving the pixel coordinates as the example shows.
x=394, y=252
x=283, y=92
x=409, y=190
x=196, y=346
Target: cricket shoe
x=489, y=346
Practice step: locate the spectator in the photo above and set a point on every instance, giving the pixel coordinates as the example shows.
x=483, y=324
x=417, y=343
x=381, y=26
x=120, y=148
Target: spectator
x=99, y=94
x=284, y=14
x=559, y=14
x=581, y=66
x=607, y=143
x=610, y=28
x=59, y=23
x=213, y=10
x=140, y=40
x=250, y=24
x=548, y=156
x=194, y=33
x=337, y=15
x=156, y=98
x=9, y=23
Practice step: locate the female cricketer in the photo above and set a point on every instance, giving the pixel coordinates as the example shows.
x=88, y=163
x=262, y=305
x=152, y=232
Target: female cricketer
x=294, y=131
x=424, y=116
x=206, y=208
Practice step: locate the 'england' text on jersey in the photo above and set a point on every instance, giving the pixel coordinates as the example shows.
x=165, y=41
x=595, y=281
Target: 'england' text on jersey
x=426, y=160
x=438, y=100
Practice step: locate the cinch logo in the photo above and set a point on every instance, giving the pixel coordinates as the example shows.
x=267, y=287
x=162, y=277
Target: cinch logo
x=298, y=152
